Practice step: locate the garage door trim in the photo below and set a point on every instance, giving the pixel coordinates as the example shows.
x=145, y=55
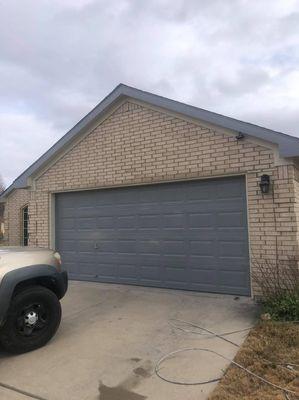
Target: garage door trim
x=223, y=180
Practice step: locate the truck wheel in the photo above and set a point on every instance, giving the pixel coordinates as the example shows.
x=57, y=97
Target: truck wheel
x=33, y=318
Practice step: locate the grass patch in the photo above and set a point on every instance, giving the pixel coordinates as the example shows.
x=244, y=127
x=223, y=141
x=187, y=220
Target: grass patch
x=277, y=342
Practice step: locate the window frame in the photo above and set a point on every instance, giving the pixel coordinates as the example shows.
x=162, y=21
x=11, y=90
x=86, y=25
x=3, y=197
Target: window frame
x=25, y=225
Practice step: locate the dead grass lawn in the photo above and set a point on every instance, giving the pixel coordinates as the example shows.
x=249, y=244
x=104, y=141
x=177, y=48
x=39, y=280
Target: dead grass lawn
x=277, y=342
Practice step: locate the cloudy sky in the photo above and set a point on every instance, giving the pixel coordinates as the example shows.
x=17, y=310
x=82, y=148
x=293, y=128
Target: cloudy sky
x=59, y=58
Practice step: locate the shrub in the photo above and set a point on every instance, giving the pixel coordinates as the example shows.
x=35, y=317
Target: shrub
x=284, y=307
x=279, y=286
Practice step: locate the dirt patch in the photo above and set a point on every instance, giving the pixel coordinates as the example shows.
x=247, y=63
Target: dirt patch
x=124, y=391
x=118, y=393
x=143, y=372
x=277, y=342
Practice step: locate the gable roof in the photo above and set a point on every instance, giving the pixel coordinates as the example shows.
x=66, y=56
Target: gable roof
x=288, y=145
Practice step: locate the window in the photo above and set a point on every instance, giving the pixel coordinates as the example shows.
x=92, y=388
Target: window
x=25, y=220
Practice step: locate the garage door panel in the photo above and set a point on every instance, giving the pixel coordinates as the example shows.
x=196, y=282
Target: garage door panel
x=151, y=273
x=85, y=212
x=88, y=268
x=193, y=193
x=232, y=278
x=202, y=262
x=127, y=271
x=206, y=276
x=106, y=271
x=125, y=258
x=144, y=210
x=188, y=235
x=150, y=260
x=170, y=234
x=104, y=210
x=203, y=287
x=230, y=234
x=69, y=223
x=123, y=234
x=231, y=219
x=203, y=219
x=201, y=234
x=174, y=260
x=197, y=207
x=85, y=246
x=81, y=200
x=229, y=189
x=67, y=245
x=106, y=245
x=85, y=258
x=169, y=208
x=68, y=235
x=128, y=210
x=68, y=212
x=105, y=234
x=126, y=221
x=232, y=264
x=145, y=234
x=211, y=207
x=105, y=222
x=202, y=247
x=70, y=257
x=231, y=248
x=228, y=205
x=174, y=220
x=175, y=247
x=167, y=193
x=150, y=246
x=123, y=197
x=148, y=221
x=177, y=275
x=164, y=234
x=124, y=246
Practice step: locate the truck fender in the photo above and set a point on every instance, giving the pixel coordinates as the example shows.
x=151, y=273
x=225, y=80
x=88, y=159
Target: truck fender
x=12, y=278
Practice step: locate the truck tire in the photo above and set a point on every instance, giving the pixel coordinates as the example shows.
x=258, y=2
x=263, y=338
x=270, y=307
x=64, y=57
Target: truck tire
x=32, y=320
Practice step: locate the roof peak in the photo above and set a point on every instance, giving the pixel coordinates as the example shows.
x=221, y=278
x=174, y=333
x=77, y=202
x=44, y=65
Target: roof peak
x=288, y=145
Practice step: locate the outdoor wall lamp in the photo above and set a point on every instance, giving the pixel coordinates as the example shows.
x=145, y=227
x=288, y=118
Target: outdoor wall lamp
x=240, y=136
x=265, y=183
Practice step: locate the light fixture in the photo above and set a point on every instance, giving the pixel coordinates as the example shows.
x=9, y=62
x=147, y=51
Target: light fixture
x=240, y=136
x=265, y=183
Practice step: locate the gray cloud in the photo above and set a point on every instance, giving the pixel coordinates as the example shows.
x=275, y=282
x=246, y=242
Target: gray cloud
x=58, y=59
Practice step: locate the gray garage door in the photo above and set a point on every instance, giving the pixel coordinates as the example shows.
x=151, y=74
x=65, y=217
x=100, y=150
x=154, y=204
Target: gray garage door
x=186, y=235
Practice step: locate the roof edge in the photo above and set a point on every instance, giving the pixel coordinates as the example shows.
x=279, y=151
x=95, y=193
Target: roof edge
x=288, y=145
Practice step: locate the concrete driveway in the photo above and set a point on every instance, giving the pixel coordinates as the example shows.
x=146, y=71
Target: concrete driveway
x=111, y=337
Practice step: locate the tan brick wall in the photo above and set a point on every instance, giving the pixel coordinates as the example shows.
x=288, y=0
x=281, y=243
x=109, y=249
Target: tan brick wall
x=138, y=145
x=296, y=189
x=12, y=216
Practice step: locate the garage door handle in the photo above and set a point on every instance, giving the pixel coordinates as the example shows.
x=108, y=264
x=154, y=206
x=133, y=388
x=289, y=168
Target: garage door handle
x=96, y=246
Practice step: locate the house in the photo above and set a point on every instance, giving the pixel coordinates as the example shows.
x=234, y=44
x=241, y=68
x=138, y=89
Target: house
x=149, y=191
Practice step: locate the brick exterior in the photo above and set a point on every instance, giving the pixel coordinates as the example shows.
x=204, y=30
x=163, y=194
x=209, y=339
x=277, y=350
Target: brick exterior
x=296, y=190
x=13, y=216
x=137, y=144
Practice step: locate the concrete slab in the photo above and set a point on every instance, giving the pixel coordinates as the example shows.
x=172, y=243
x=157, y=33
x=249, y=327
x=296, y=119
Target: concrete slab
x=6, y=394
x=111, y=337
